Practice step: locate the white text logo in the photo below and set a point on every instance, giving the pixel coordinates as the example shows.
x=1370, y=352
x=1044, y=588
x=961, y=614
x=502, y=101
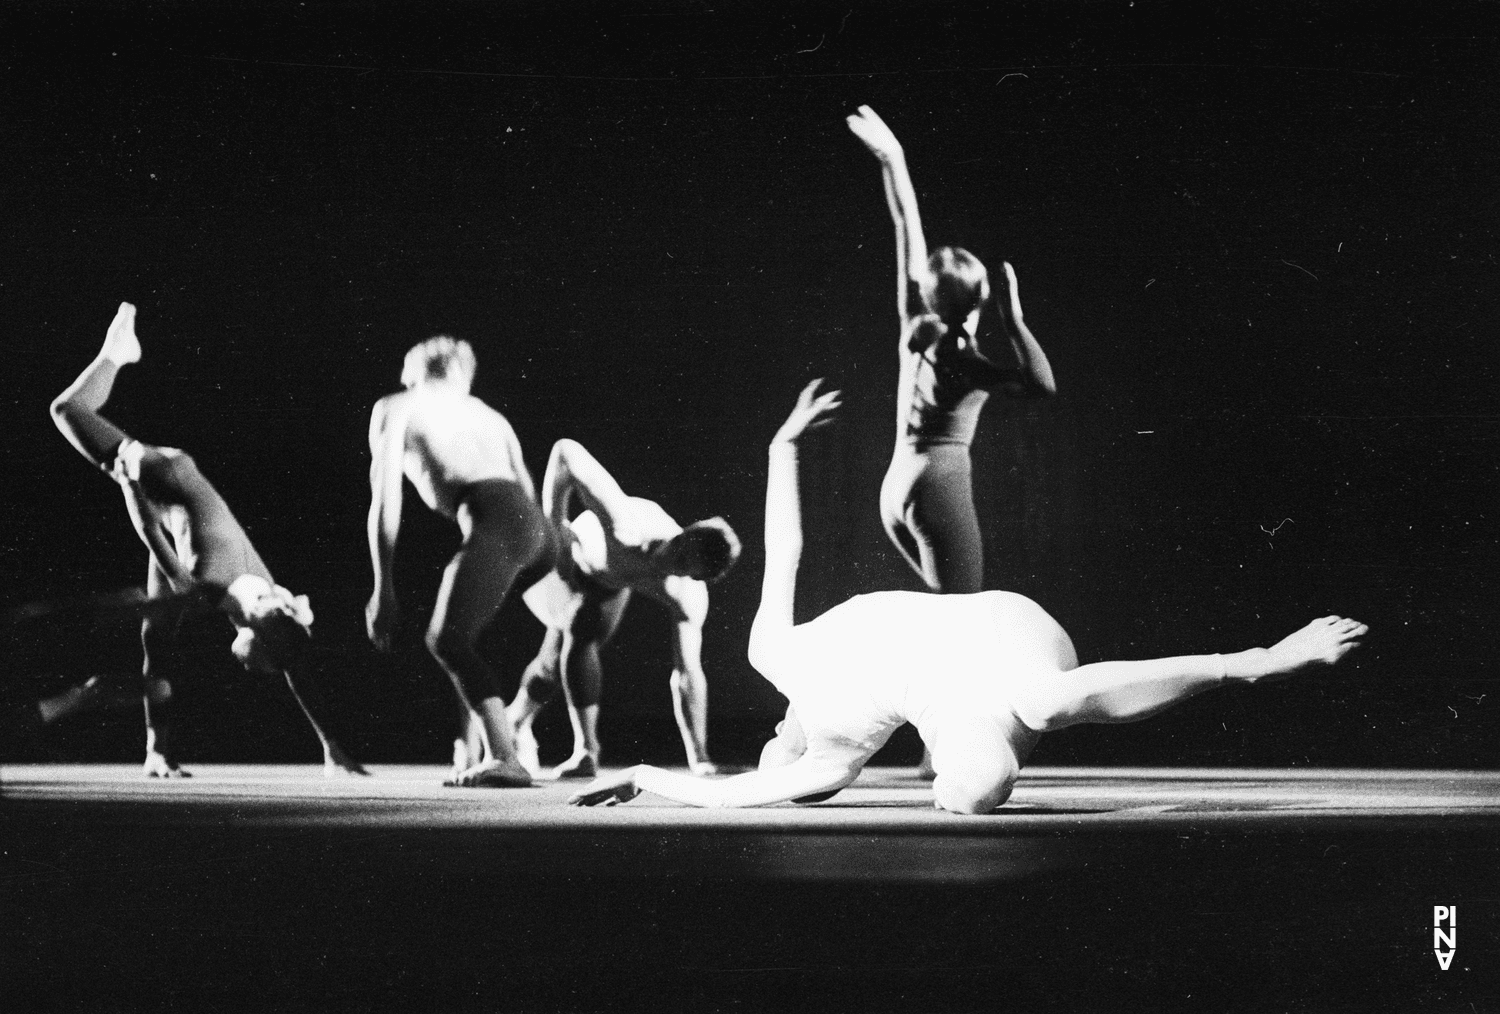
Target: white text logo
x=1444, y=940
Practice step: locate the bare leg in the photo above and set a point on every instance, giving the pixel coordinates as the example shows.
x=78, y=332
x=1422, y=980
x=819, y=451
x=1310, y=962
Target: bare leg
x=75, y=411
x=539, y=685
x=583, y=679
x=1113, y=692
x=468, y=747
x=582, y=675
x=70, y=701
x=158, y=634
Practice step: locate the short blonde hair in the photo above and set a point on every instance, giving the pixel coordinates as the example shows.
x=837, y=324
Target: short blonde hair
x=956, y=285
x=438, y=358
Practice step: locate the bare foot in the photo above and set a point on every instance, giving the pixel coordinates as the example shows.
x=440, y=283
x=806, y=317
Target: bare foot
x=157, y=766
x=121, y=346
x=493, y=775
x=1322, y=642
x=463, y=760
x=338, y=764
x=703, y=768
x=526, y=749
x=580, y=765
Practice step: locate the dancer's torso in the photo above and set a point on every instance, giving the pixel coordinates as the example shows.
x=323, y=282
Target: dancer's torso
x=610, y=561
x=206, y=536
x=865, y=667
x=452, y=442
x=941, y=389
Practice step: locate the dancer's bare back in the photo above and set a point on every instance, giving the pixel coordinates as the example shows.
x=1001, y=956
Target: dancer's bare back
x=619, y=555
x=446, y=441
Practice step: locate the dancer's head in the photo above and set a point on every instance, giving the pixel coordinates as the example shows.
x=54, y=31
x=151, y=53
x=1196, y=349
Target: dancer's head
x=705, y=550
x=957, y=284
x=441, y=359
x=275, y=626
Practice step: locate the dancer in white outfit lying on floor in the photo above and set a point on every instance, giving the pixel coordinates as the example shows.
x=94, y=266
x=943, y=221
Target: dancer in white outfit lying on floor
x=981, y=676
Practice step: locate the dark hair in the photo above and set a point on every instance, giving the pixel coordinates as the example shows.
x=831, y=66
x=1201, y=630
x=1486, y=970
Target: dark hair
x=714, y=544
x=959, y=284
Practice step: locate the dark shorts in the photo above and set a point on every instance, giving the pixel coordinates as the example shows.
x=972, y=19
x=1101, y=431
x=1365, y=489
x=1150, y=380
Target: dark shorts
x=501, y=509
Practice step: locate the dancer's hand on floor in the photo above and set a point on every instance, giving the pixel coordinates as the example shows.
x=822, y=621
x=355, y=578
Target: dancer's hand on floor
x=608, y=790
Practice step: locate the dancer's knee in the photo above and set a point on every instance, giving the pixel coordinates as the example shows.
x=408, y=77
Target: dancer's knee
x=542, y=679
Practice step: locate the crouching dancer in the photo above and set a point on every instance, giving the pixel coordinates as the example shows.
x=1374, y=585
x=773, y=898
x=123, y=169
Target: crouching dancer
x=465, y=462
x=619, y=544
x=200, y=557
x=981, y=676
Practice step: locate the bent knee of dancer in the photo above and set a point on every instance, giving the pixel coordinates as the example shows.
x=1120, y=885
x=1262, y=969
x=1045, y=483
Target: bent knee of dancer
x=975, y=792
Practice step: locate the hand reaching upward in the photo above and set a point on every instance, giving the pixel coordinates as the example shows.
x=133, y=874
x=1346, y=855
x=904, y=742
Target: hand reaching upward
x=811, y=411
x=871, y=129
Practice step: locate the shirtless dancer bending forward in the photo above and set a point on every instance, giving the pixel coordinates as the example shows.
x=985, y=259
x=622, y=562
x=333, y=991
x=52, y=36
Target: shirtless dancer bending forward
x=465, y=461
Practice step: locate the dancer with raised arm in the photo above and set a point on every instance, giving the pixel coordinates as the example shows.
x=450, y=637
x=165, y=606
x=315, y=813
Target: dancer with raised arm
x=465, y=462
x=618, y=545
x=981, y=676
x=927, y=498
x=200, y=557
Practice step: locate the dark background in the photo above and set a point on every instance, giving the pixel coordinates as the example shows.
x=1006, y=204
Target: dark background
x=1258, y=246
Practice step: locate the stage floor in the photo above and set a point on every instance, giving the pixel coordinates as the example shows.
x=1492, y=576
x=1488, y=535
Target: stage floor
x=1092, y=889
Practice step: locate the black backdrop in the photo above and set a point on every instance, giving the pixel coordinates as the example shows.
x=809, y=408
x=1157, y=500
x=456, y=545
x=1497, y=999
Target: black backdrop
x=1258, y=245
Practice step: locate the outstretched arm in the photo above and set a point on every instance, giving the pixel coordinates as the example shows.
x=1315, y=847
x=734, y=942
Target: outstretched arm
x=314, y=706
x=387, y=447
x=813, y=774
x=148, y=523
x=572, y=469
x=783, y=532
x=901, y=196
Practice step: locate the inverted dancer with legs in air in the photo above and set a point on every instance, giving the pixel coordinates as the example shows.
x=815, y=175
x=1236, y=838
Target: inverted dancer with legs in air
x=200, y=558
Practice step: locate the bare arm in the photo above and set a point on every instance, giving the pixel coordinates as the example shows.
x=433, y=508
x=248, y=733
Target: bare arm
x=824, y=770
x=901, y=197
x=312, y=699
x=387, y=448
x=148, y=526
x=1033, y=376
x=572, y=469
x=689, y=683
x=783, y=531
